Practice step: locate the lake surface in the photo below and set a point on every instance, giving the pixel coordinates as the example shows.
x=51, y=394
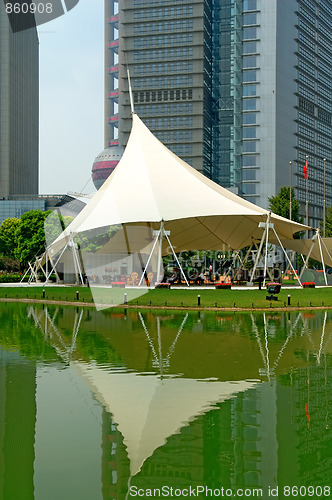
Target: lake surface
x=113, y=405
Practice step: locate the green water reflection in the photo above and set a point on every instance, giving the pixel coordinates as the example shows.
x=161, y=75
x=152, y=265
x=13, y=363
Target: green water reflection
x=94, y=403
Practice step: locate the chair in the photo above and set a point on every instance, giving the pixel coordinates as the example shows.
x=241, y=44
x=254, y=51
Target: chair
x=133, y=279
x=150, y=278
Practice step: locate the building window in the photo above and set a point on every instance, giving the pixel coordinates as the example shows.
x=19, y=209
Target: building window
x=249, y=161
x=249, y=90
x=249, y=33
x=249, y=47
x=249, y=5
x=249, y=62
x=249, y=19
x=250, y=146
x=250, y=76
x=249, y=118
x=249, y=188
x=250, y=104
x=249, y=132
x=249, y=174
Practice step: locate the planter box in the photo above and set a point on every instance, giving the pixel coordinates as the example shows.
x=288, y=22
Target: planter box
x=163, y=285
x=308, y=285
x=119, y=284
x=224, y=286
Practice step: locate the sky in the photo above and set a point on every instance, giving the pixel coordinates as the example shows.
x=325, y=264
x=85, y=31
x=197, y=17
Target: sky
x=71, y=107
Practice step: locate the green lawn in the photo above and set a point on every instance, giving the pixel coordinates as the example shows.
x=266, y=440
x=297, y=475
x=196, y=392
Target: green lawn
x=318, y=297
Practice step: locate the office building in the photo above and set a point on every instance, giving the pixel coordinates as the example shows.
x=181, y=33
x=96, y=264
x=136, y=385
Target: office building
x=18, y=110
x=168, y=48
x=237, y=88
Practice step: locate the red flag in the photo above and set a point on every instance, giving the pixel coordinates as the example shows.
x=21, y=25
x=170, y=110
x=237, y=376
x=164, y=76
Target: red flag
x=305, y=170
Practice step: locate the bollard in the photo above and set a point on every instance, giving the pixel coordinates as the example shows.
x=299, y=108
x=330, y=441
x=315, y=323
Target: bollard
x=43, y=294
x=198, y=300
x=77, y=295
x=125, y=299
x=288, y=302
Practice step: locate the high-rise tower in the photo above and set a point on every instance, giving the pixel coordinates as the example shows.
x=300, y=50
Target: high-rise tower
x=168, y=49
x=19, y=105
x=237, y=88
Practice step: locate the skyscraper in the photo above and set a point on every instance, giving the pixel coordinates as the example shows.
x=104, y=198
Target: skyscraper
x=18, y=109
x=237, y=88
x=168, y=49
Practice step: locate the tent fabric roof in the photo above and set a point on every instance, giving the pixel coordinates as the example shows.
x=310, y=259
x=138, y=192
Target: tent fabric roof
x=151, y=184
x=305, y=245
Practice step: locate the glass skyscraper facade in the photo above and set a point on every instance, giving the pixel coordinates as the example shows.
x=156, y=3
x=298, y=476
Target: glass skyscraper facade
x=237, y=88
x=167, y=46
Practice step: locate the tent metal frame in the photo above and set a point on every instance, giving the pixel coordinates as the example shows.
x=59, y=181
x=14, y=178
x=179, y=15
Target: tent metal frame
x=317, y=237
x=159, y=235
x=37, y=265
x=265, y=238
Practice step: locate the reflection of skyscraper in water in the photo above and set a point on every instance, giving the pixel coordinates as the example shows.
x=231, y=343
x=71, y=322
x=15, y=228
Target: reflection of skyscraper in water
x=17, y=425
x=115, y=465
x=312, y=408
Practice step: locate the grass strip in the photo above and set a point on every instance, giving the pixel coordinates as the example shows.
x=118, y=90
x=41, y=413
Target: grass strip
x=225, y=299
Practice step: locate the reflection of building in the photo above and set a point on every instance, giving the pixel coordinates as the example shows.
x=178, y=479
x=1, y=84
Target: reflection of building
x=18, y=110
x=17, y=426
x=244, y=86
x=275, y=433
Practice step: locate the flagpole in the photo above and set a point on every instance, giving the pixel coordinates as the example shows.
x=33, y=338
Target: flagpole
x=290, y=190
x=324, y=200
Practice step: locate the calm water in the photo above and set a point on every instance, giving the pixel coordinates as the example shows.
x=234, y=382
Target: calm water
x=105, y=405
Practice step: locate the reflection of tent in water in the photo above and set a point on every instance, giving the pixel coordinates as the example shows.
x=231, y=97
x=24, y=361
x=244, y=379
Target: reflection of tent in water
x=269, y=370
x=148, y=409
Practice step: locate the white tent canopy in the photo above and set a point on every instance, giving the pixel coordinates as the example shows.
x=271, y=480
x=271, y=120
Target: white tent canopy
x=151, y=185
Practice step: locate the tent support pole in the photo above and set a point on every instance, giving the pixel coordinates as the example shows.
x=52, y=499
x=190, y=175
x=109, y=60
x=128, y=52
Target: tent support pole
x=287, y=257
x=231, y=266
x=266, y=245
x=258, y=256
x=292, y=254
x=328, y=253
x=177, y=260
x=308, y=256
x=78, y=271
x=33, y=271
x=24, y=275
x=160, y=250
x=322, y=257
x=148, y=261
x=54, y=265
x=159, y=235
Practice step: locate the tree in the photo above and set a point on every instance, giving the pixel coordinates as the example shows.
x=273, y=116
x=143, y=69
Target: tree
x=54, y=225
x=328, y=223
x=30, y=236
x=8, y=238
x=279, y=204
